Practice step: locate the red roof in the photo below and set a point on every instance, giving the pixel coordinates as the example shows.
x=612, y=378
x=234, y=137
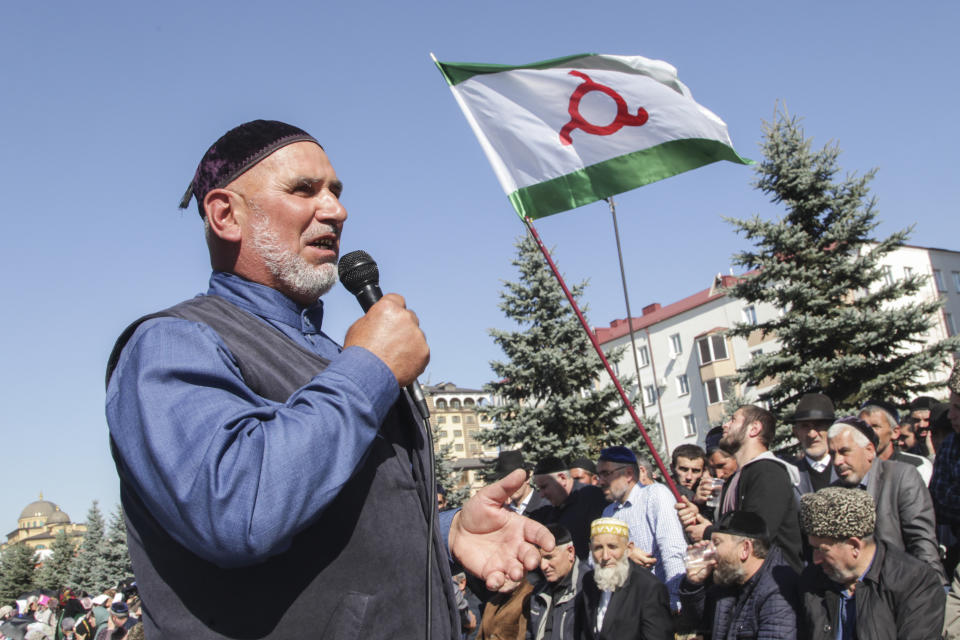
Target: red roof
x=657, y=313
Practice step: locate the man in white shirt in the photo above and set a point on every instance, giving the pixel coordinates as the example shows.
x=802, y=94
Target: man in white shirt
x=655, y=529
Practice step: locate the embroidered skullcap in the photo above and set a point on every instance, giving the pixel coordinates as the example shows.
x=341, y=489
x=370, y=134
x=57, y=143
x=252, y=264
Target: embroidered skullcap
x=237, y=151
x=550, y=464
x=609, y=525
x=838, y=513
x=953, y=382
x=622, y=455
x=862, y=427
x=120, y=609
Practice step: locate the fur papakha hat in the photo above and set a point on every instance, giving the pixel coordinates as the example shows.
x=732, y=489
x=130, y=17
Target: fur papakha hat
x=838, y=513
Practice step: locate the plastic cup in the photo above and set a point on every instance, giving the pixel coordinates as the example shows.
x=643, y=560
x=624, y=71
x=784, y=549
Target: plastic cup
x=716, y=488
x=699, y=555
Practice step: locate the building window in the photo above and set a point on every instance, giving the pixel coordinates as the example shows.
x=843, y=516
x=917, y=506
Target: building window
x=887, y=274
x=455, y=419
x=649, y=394
x=454, y=404
x=750, y=314
x=676, y=347
x=643, y=354
x=718, y=390
x=458, y=447
x=683, y=385
x=907, y=273
x=951, y=326
x=938, y=278
x=956, y=280
x=468, y=420
x=689, y=425
x=468, y=402
x=458, y=433
x=444, y=434
x=441, y=404
x=712, y=348
x=441, y=419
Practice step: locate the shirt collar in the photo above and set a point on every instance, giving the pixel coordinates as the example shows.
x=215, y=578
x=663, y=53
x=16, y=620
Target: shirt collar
x=632, y=497
x=818, y=465
x=265, y=302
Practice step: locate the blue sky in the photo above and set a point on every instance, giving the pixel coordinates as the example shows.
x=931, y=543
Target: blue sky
x=107, y=107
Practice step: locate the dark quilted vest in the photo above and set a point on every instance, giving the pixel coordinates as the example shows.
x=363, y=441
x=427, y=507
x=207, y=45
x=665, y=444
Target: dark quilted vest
x=359, y=571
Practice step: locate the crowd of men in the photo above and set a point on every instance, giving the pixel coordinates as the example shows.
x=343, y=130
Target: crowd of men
x=277, y=482
x=112, y=615
x=855, y=538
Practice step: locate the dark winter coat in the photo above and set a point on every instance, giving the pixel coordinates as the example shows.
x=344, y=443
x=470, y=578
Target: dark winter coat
x=900, y=598
x=767, y=488
x=639, y=610
x=765, y=607
x=905, y=517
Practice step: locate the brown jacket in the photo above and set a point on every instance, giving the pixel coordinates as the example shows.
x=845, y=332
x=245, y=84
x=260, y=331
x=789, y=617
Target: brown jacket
x=506, y=615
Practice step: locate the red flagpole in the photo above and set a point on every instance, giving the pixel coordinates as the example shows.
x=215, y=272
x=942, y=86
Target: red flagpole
x=603, y=358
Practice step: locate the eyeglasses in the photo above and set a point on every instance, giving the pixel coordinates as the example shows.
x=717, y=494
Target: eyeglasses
x=606, y=473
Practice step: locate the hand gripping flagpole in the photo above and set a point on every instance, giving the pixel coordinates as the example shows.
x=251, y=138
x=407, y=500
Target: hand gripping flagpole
x=603, y=358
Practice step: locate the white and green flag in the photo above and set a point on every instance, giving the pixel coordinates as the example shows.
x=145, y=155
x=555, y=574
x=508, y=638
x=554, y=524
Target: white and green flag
x=566, y=132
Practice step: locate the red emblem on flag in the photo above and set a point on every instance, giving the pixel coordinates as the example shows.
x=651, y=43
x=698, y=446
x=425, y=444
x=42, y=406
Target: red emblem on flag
x=624, y=117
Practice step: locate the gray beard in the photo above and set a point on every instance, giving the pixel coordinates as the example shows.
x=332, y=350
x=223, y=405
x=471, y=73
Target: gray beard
x=294, y=273
x=729, y=574
x=612, y=578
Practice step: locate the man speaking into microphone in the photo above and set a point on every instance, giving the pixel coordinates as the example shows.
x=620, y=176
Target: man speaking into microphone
x=276, y=484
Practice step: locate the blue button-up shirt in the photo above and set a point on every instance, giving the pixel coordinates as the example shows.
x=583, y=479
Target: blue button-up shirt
x=231, y=475
x=655, y=528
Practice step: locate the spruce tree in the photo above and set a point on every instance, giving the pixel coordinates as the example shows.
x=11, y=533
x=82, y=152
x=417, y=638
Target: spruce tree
x=446, y=476
x=17, y=572
x=89, y=571
x=548, y=403
x=116, y=557
x=844, y=331
x=55, y=572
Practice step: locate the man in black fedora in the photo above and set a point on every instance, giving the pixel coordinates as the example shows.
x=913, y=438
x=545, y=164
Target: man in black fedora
x=812, y=418
x=526, y=499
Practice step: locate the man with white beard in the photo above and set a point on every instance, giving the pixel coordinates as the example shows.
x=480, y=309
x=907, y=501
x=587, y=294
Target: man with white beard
x=747, y=590
x=620, y=600
x=265, y=467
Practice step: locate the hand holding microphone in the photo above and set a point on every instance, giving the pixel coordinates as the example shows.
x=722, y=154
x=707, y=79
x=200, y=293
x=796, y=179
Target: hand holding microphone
x=388, y=330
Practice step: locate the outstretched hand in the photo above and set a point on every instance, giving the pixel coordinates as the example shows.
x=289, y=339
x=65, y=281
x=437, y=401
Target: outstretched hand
x=493, y=542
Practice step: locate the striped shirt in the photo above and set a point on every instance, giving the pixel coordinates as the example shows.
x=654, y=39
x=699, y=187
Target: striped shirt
x=656, y=529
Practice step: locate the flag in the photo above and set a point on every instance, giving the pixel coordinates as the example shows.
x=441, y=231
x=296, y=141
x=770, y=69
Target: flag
x=570, y=131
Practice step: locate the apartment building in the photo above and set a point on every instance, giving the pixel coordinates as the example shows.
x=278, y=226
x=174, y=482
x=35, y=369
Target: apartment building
x=457, y=417
x=688, y=363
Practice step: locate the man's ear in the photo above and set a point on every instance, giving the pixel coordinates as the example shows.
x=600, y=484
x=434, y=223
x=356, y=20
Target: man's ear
x=630, y=546
x=223, y=209
x=747, y=550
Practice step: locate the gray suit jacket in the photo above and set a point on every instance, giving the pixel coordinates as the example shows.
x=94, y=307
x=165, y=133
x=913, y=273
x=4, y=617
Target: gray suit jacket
x=905, y=517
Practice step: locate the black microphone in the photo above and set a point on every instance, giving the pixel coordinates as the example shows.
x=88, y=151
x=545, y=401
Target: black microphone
x=359, y=274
